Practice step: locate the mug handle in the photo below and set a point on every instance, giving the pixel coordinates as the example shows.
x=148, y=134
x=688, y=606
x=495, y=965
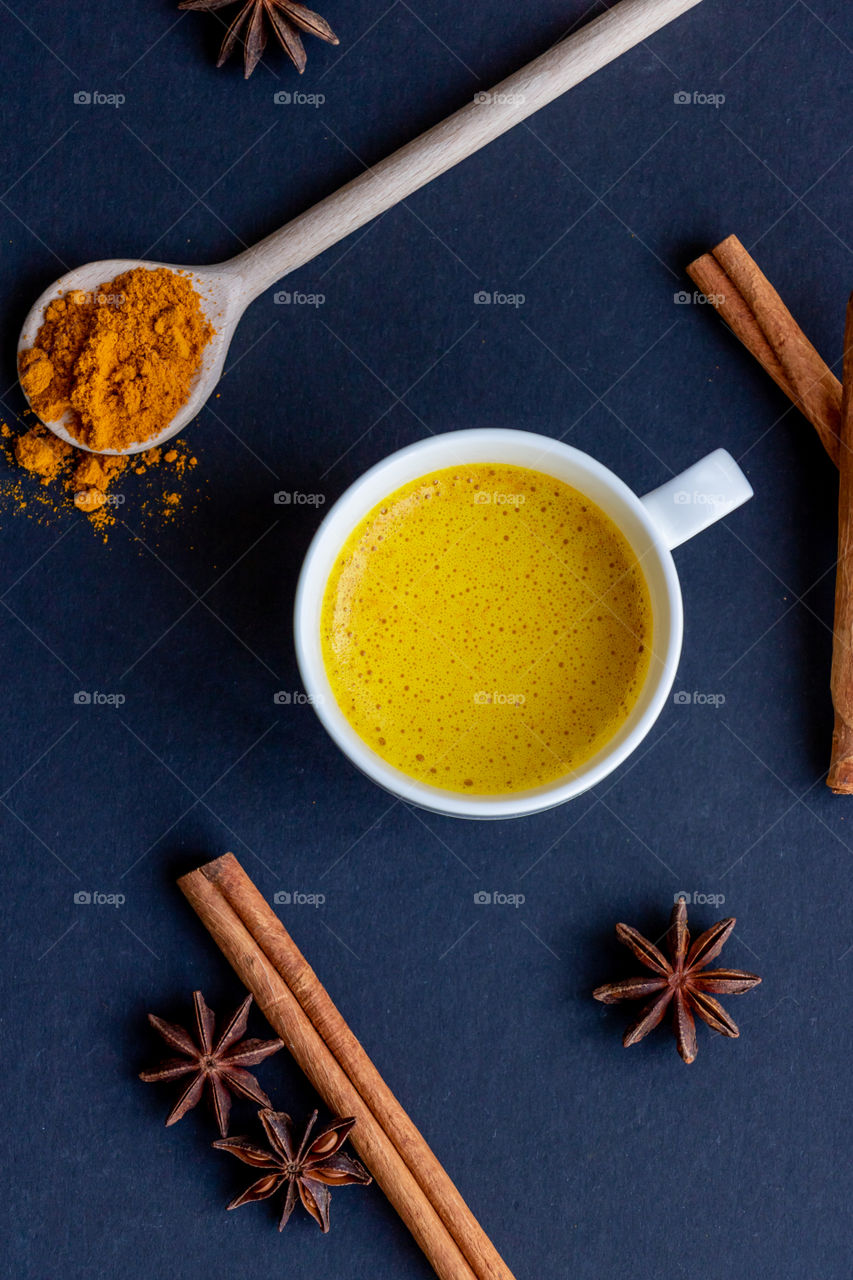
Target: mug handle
x=704, y=493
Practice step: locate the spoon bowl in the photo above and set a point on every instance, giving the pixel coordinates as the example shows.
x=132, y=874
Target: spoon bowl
x=220, y=291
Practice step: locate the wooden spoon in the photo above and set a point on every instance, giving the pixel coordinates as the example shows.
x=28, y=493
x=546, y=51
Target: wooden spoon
x=227, y=288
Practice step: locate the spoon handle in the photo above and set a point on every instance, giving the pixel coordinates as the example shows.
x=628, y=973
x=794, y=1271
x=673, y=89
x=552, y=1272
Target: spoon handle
x=488, y=116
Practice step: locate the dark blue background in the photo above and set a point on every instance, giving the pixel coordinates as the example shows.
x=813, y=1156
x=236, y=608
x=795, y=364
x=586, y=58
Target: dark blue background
x=581, y=1159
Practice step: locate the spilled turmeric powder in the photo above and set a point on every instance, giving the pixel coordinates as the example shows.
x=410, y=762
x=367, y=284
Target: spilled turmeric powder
x=47, y=477
x=41, y=452
x=120, y=361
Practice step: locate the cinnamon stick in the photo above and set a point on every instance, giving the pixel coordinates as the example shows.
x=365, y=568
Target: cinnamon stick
x=723, y=294
x=284, y=1013
x=840, y=777
x=744, y=297
x=277, y=944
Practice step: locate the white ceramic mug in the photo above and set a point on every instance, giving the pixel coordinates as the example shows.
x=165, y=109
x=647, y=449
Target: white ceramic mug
x=653, y=525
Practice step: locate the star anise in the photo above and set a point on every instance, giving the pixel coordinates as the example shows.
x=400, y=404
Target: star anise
x=680, y=981
x=220, y=1065
x=308, y=1170
x=287, y=19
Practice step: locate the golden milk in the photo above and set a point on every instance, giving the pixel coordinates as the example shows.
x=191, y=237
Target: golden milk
x=486, y=628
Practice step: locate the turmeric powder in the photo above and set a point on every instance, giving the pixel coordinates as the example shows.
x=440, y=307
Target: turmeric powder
x=120, y=361
x=69, y=479
x=41, y=453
